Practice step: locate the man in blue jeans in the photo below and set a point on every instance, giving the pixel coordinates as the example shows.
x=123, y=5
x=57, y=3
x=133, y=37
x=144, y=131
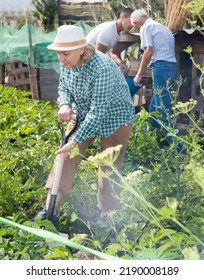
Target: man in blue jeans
x=158, y=44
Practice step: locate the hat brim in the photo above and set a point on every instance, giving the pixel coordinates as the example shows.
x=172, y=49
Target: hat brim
x=54, y=48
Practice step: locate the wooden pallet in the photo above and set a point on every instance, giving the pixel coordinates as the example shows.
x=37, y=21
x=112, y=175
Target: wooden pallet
x=18, y=75
x=22, y=77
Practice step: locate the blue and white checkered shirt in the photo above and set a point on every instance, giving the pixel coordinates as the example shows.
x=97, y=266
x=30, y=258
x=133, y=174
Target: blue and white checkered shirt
x=100, y=96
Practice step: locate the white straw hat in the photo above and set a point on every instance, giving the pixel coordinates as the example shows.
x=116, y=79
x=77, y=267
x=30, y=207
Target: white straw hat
x=69, y=37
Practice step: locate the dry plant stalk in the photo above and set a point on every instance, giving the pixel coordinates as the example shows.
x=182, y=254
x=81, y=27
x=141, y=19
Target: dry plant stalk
x=175, y=15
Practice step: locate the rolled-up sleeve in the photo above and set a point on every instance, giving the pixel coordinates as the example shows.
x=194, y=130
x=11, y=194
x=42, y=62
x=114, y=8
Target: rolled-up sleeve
x=64, y=95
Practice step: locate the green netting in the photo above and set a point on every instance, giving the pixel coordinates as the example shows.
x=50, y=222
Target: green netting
x=29, y=45
x=84, y=25
x=6, y=32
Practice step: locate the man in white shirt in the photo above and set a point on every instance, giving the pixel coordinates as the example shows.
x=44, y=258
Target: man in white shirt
x=105, y=37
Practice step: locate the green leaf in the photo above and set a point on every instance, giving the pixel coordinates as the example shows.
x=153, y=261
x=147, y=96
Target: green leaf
x=113, y=248
x=25, y=256
x=57, y=238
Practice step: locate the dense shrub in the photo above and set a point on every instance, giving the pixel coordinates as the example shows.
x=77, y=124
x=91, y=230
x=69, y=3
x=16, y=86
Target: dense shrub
x=28, y=139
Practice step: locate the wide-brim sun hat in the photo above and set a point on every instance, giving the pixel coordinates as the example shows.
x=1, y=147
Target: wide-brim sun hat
x=69, y=37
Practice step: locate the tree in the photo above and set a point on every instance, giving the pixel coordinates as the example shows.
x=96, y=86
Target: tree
x=152, y=6
x=46, y=11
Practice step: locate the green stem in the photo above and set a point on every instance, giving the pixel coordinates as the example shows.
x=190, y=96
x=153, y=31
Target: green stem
x=150, y=206
x=195, y=124
x=176, y=136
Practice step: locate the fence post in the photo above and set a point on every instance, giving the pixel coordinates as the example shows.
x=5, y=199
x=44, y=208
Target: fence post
x=32, y=71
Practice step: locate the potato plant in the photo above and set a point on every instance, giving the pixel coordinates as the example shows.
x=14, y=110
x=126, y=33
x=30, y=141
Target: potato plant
x=161, y=214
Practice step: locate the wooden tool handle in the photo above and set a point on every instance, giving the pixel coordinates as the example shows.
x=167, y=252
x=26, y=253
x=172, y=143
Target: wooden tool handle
x=58, y=174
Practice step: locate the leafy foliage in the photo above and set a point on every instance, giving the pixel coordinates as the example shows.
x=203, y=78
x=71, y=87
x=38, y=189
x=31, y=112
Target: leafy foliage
x=50, y=237
x=46, y=11
x=17, y=244
x=29, y=135
x=152, y=7
x=196, y=8
x=161, y=214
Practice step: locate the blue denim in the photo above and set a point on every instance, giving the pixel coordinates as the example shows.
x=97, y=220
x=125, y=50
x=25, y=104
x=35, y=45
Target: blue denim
x=164, y=74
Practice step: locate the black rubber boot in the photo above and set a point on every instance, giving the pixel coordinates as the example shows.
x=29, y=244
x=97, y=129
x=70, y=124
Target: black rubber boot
x=42, y=216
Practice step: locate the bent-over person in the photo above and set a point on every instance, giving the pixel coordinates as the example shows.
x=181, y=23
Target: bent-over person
x=92, y=86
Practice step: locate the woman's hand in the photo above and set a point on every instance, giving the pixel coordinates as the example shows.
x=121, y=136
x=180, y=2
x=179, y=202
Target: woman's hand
x=65, y=113
x=66, y=149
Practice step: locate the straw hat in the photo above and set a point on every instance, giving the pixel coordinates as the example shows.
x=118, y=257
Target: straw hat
x=69, y=37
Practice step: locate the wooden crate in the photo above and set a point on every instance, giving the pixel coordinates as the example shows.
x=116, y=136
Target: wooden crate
x=17, y=74
x=144, y=95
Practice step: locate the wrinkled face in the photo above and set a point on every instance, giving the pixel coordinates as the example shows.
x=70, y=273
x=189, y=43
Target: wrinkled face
x=126, y=24
x=136, y=25
x=70, y=58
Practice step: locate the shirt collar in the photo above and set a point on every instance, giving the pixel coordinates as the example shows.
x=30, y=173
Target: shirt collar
x=75, y=69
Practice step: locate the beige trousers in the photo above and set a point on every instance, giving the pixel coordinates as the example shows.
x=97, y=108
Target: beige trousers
x=107, y=191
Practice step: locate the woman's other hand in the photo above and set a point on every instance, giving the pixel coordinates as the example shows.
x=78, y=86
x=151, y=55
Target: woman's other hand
x=66, y=149
x=65, y=113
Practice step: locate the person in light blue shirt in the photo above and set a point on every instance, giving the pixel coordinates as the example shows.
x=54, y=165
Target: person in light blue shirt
x=158, y=45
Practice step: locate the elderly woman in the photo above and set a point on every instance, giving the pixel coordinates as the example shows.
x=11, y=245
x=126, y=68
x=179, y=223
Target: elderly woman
x=92, y=86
